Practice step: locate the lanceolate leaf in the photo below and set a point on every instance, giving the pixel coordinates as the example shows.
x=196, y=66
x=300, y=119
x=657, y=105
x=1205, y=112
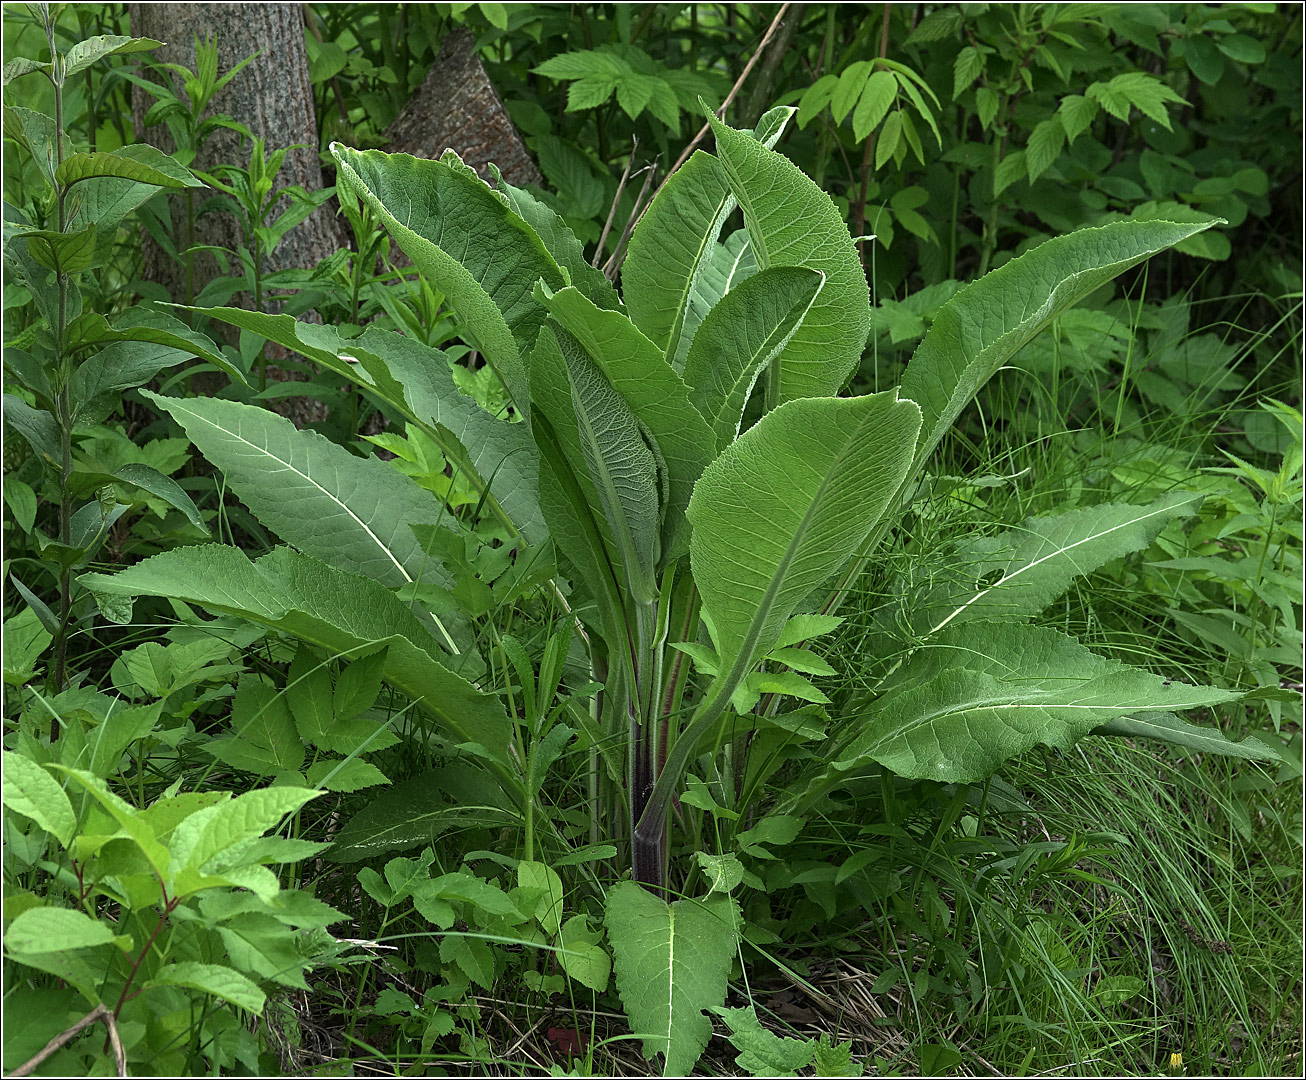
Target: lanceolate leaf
x=672, y=962
x=988, y=321
x=468, y=243
x=765, y=537
x=415, y=380
x=87, y=51
x=792, y=222
x=669, y=248
x=1020, y=572
x=79, y=167
x=341, y=612
x=983, y=692
x=674, y=242
x=653, y=391
x=621, y=466
x=1169, y=728
x=740, y=337
x=353, y=513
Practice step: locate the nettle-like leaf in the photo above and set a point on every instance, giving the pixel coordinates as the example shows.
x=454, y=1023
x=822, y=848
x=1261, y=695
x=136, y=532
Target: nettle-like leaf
x=988, y=321
x=792, y=222
x=672, y=963
x=342, y=613
x=983, y=692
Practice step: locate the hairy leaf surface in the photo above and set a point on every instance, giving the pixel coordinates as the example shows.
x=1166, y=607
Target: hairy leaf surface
x=672, y=962
x=988, y=321
x=740, y=337
x=983, y=692
x=792, y=222
x=785, y=506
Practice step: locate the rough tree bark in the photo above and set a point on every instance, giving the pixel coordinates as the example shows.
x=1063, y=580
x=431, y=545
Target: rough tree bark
x=272, y=96
x=457, y=106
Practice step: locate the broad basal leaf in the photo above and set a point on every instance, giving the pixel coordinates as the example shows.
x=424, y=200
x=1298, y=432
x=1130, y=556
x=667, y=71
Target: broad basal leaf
x=415, y=379
x=988, y=321
x=1169, y=728
x=352, y=513
x=784, y=507
x=674, y=242
x=982, y=692
x=792, y=222
x=668, y=250
x=343, y=613
x=621, y=466
x=672, y=962
x=740, y=337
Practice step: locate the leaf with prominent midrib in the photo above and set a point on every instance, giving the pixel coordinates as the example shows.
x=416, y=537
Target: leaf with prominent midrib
x=1169, y=728
x=765, y=534
x=792, y=222
x=621, y=465
x=343, y=613
x=676, y=240
x=415, y=379
x=988, y=321
x=672, y=962
x=982, y=692
x=468, y=243
x=740, y=338
x=1036, y=563
x=653, y=391
x=353, y=513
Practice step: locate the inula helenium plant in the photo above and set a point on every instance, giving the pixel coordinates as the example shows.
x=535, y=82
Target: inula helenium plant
x=676, y=471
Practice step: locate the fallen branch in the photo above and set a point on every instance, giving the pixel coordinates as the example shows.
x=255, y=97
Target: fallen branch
x=98, y=1015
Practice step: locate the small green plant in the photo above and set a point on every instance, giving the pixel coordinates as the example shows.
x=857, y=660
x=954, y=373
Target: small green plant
x=70, y=366
x=708, y=500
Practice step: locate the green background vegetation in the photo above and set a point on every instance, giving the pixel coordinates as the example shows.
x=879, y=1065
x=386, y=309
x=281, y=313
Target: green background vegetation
x=240, y=836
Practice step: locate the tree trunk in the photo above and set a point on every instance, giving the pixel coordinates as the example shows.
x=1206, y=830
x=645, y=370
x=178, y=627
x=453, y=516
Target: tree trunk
x=457, y=106
x=272, y=96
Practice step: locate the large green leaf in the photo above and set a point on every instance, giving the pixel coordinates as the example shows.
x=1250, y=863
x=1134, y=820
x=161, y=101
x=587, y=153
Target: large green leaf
x=651, y=388
x=982, y=692
x=563, y=245
x=621, y=466
x=421, y=810
x=353, y=513
x=416, y=381
x=988, y=321
x=784, y=507
x=668, y=250
x=570, y=503
x=216, y=979
x=79, y=167
x=792, y=222
x=1019, y=572
x=468, y=243
x=672, y=961
x=31, y=791
x=90, y=50
x=740, y=337
x=343, y=613
x=1170, y=728
x=674, y=244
